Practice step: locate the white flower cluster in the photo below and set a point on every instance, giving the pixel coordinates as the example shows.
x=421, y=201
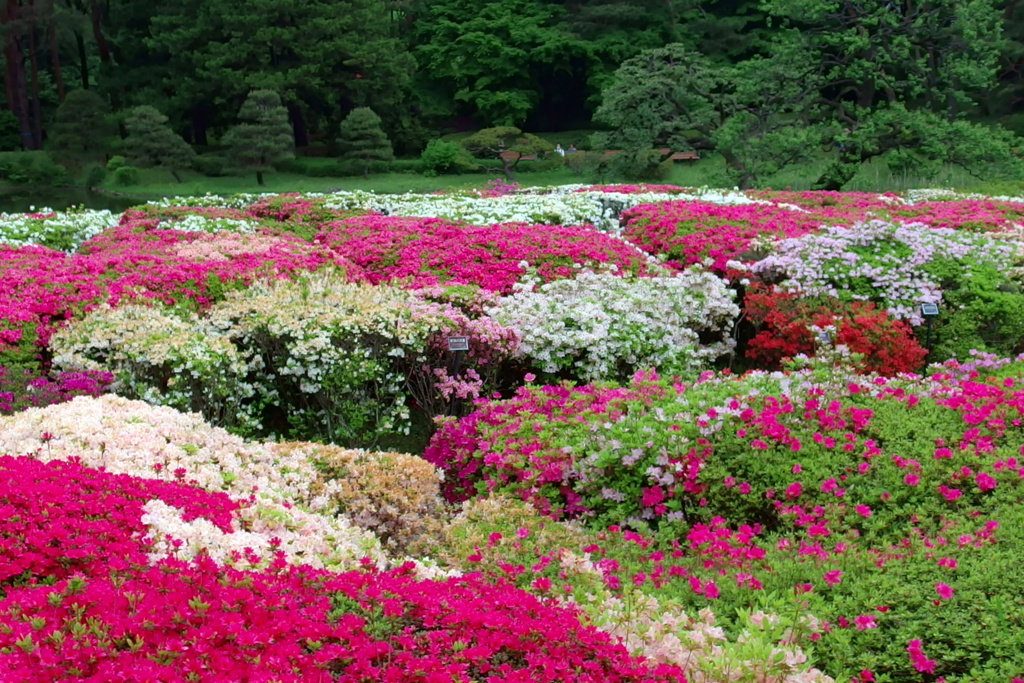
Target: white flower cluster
x=198, y=223
x=601, y=326
x=63, y=231
x=339, y=351
x=922, y=195
x=134, y=438
x=161, y=358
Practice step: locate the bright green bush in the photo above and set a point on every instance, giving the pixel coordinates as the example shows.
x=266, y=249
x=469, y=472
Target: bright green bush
x=441, y=157
x=126, y=175
x=31, y=168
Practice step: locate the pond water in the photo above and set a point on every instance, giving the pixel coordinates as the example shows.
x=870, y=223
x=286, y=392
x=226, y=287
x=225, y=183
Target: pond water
x=25, y=199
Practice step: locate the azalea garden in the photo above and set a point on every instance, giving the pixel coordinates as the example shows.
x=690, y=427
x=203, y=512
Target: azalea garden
x=694, y=435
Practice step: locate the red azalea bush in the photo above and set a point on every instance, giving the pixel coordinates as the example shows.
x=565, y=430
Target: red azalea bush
x=179, y=622
x=889, y=346
x=430, y=251
x=691, y=231
x=59, y=518
x=111, y=616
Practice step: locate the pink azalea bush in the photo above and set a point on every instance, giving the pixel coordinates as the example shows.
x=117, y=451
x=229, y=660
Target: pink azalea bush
x=425, y=252
x=690, y=231
x=839, y=489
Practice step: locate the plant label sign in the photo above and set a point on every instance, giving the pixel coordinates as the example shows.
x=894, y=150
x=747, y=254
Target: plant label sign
x=458, y=343
x=929, y=310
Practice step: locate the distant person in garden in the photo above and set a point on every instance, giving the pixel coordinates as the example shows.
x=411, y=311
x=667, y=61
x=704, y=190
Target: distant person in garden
x=559, y=151
x=572, y=149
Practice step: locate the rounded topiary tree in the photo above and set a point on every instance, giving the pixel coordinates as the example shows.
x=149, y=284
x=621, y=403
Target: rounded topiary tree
x=508, y=144
x=265, y=136
x=151, y=142
x=361, y=138
x=82, y=129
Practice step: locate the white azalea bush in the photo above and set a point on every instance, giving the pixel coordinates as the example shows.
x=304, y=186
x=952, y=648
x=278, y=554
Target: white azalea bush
x=600, y=326
x=558, y=205
x=314, y=358
x=60, y=230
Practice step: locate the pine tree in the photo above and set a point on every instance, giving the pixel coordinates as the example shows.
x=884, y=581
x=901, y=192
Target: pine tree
x=265, y=137
x=82, y=129
x=151, y=142
x=361, y=138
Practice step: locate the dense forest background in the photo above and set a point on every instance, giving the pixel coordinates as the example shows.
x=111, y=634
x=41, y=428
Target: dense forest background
x=863, y=77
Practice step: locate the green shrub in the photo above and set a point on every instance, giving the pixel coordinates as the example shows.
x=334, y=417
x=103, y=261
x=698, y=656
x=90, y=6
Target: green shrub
x=10, y=132
x=31, y=168
x=116, y=162
x=442, y=157
x=95, y=174
x=126, y=175
x=637, y=165
x=316, y=359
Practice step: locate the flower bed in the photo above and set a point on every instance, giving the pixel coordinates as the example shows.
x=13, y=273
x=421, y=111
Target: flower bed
x=765, y=476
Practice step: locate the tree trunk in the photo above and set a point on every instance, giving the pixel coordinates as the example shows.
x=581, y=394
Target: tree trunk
x=83, y=60
x=97, y=32
x=55, y=59
x=299, y=129
x=744, y=178
x=198, y=127
x=174, y=172
x=842, y=171
x=37, y=116
x=17, y=99
x=259, y=178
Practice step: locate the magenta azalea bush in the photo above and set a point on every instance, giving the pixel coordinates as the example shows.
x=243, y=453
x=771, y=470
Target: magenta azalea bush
x=425, y=252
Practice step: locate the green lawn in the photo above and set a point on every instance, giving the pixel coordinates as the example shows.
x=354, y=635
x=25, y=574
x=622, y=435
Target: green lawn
x=873, y=177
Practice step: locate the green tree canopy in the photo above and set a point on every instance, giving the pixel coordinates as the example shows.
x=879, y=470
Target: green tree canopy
x=151, y=142
x=321, y=56
x=362, y=139
x=751, y=113
x=895, y=76
x=264, y=138
x=491, y=54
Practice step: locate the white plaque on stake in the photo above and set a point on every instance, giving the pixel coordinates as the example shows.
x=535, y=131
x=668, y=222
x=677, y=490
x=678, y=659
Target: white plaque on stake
x=458, y=343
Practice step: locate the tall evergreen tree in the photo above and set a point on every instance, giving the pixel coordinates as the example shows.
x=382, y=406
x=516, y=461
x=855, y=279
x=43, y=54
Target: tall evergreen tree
x=265, y=137
x=151, y=142
x=362, y=138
